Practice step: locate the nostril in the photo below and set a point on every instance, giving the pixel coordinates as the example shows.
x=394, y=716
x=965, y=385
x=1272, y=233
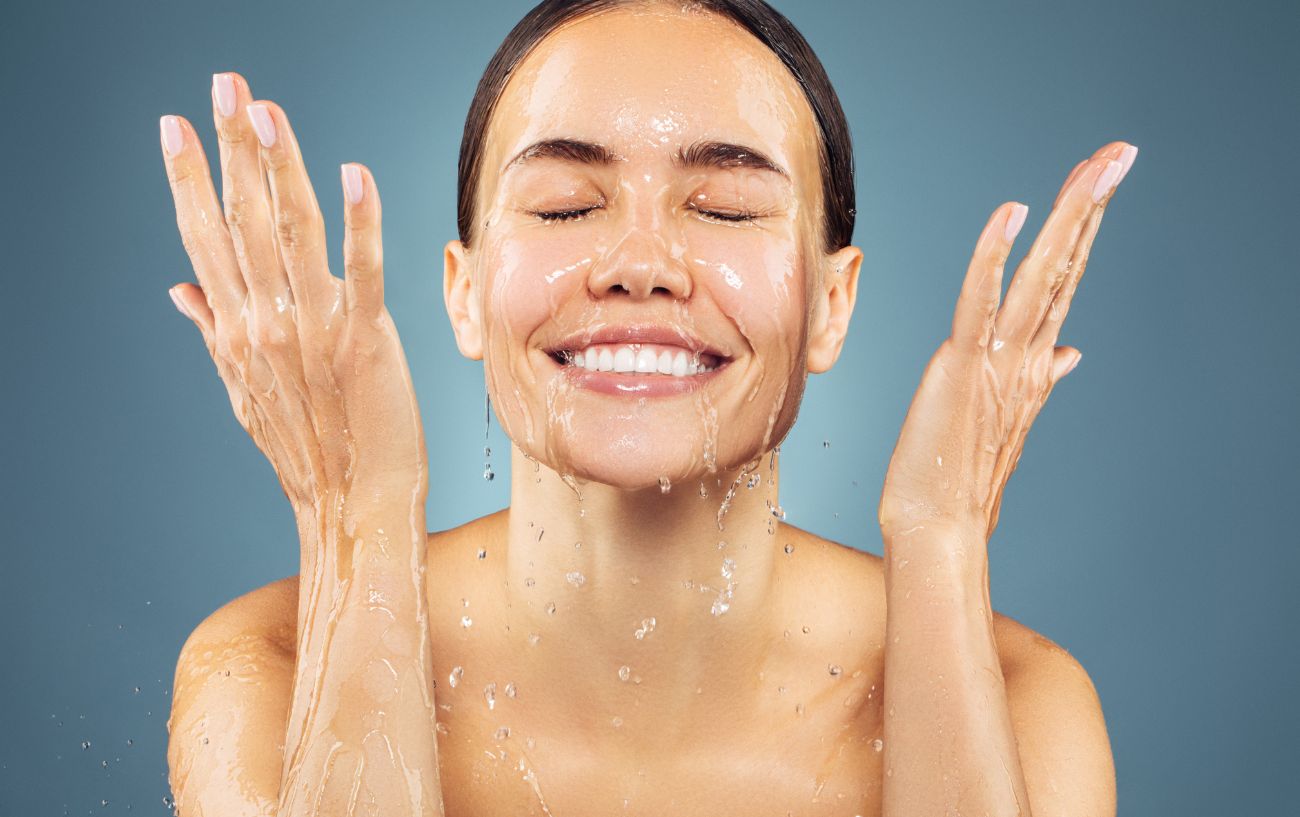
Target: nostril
x=619, y=288
x=660, y=290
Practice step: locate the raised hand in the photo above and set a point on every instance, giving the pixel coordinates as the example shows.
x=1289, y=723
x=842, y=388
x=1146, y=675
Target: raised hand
x=988, y=381
x=313, y=364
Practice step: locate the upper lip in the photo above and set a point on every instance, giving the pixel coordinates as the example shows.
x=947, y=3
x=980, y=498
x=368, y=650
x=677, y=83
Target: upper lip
x=634, y=333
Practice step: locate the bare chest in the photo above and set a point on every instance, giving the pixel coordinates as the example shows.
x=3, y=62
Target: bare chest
x=809, y=764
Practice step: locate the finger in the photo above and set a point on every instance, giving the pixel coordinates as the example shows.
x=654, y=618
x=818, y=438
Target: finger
x=246, y=201
x=1057, y=311
x=299, y=228
x=363, y=251
x=198, y=216
x=1064, y=359
x=1113, y=150
x=191, y=303
x=977, y=305
x=1047, y=265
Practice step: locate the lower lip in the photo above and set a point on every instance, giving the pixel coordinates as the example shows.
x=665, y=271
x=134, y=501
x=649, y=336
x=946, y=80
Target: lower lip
x=637, y=385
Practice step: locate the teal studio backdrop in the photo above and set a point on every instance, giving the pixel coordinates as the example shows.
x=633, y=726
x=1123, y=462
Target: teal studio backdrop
x=1146, y=530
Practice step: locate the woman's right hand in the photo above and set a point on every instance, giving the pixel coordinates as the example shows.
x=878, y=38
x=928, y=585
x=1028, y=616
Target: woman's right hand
x=313, y=364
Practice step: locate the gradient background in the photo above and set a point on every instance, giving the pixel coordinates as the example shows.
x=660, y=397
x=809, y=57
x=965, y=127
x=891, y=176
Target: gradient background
x=1146, y=530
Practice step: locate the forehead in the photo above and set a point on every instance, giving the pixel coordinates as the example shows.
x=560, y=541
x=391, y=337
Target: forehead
x=646, y=80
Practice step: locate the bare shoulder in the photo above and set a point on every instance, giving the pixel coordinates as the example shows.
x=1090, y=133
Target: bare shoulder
x=852, y=581
x=463, y=541
x=268, y=613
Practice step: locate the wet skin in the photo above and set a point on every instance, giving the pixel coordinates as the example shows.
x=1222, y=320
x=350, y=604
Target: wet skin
x=772, y=705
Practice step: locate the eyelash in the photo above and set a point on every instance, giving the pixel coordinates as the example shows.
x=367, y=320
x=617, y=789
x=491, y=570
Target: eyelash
x=578, y=215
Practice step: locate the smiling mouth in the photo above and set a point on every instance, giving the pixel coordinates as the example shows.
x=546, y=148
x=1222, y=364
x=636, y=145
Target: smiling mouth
x=640, y=359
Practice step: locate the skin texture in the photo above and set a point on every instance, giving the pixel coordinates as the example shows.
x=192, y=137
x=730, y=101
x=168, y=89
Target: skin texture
x=605, y=645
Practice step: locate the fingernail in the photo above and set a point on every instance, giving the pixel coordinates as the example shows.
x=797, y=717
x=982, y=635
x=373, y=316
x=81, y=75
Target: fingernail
x=1126, y=157
x=173, y=139
x=223, y=91
x=179, y=304
x=352, y=184
x=1107, y=180
x=1015, y=220
x=1075, y=363
x=263, y=125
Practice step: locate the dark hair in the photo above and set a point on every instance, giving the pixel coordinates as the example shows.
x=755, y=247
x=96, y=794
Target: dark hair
x=764, y=22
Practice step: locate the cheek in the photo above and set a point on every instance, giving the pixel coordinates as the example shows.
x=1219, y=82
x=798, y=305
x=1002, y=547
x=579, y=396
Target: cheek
x=756, y=280
x=528, y=280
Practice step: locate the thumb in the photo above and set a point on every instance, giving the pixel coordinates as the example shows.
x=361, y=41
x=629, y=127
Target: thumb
x=1064, y=360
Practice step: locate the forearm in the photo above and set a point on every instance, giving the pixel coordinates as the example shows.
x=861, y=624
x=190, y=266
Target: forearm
x=949, y=744
x=362, y=721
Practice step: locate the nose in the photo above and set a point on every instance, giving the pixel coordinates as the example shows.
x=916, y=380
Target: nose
x=640, y=266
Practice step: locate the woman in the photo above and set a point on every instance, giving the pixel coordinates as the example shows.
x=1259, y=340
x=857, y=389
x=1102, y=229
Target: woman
x=655, y=215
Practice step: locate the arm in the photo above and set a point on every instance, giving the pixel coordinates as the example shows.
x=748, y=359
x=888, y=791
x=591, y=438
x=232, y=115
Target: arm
x=362, y=723
x=316, y=374
x=959, y=732
x=952, y=744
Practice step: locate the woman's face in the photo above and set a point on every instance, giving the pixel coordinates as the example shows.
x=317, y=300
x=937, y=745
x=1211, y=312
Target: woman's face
x=648, y=237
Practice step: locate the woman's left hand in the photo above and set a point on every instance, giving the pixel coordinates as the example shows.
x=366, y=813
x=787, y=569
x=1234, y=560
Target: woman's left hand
x=987, y=382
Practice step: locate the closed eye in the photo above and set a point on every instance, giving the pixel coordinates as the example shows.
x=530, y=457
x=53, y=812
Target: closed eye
x=562, y=215
x=576, y=215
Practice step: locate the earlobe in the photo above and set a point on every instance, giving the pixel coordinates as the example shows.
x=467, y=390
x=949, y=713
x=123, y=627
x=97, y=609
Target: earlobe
x=459, y=297
x=836, y=296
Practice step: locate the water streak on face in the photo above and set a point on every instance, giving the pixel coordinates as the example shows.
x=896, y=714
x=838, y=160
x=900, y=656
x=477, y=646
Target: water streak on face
x=672, y=209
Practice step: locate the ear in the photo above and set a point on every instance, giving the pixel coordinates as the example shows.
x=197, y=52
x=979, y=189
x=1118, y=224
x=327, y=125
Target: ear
x=832, y=308
x=460, y=298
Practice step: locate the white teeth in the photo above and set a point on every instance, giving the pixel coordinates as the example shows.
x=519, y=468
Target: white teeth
x=624, y=360
x=639, y=360
x=646, y=361
x=665, y=363
x=679, y=364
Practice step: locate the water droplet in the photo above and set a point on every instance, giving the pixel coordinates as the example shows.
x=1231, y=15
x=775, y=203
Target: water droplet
x=511, y=690
x=482, y=553
x=136, y=690
x=533, y=638
x=878, y=745
x=130, y=742
x=664, y=485
x=550, y=608
x=826, y=443
x=719, y=607
x=617, y=721
x=85, y=744
x=466, y=621
x=490, y=695
x=529, y=581
x=835, y=670
x=647, y=627
x=575, y=578
x=799, y=709
x=454, y=678
x=502, y=733
x=806, y=629
x=624, y=672
x=789, y=548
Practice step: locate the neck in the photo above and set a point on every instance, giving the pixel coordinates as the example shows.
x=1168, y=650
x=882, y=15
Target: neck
x=646, y=580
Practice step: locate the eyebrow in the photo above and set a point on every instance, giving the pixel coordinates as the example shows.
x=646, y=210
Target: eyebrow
x=699, y=154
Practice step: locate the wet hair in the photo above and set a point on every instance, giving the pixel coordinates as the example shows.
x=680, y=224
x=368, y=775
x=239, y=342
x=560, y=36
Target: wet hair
x=757, y=17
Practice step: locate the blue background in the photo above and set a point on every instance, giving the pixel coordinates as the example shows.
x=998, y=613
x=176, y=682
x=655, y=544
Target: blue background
x=1147, y=529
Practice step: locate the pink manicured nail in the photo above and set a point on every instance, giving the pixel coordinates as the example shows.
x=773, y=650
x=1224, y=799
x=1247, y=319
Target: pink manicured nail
x=223, y=91
x=1075, y=363
x=1126, y=157
x=352, y=183
x=1015, y=220
x=173, y=139
x=1107, y=180
x=179, y=303
x=263, y=125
